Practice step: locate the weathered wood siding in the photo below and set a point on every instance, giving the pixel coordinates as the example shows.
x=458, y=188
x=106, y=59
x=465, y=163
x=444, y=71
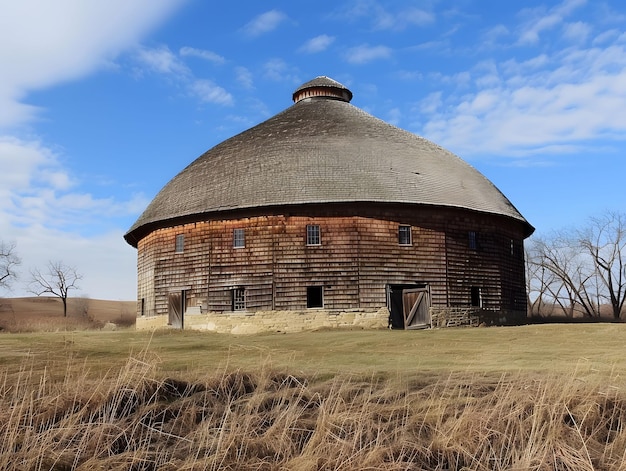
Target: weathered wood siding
x=357, y=258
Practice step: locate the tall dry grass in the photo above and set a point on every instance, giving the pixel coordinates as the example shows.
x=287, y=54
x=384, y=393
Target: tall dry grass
x=132, y=419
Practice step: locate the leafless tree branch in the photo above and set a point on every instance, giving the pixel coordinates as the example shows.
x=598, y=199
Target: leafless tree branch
x=58, y=280
x=9, y=261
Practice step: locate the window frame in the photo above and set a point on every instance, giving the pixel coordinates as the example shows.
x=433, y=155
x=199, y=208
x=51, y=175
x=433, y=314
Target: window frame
x=239, y=238
x=472, y=240
x=179, y=243
x=313, y=235
x=238, y=299
x=405, y=230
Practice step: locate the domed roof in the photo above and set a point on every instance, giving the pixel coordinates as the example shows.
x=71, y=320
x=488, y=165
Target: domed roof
x=322, y=149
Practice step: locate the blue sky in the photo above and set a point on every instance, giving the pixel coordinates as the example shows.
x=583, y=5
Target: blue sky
x=102, y=103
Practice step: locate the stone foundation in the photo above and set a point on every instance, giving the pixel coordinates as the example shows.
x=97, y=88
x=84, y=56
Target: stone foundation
x=274, y=321
x=315, y=319
x=473, y=317
x=454, y=316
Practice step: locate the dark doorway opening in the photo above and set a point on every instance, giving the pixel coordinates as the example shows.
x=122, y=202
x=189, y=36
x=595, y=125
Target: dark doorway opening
x=314, y=296
x=476, y=296
x=409, y=306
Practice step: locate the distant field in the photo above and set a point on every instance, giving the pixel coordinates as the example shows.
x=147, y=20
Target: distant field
x=46, y=313
x=531, y=397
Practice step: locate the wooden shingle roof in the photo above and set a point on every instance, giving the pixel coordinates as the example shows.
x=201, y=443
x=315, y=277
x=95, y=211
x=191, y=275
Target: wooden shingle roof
x=321, y=150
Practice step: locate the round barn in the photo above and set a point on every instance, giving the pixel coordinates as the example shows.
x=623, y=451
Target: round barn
x=327, y=215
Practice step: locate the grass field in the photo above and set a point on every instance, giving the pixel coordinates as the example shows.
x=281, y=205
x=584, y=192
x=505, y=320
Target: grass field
x=551, y=348
x=36, y=314
x=533, y=397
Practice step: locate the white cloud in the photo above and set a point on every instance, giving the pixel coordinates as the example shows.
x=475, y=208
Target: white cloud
x=606, y=37
x=36, y=190
x=410, y=75
x=317, y=44
x=44, y=211
x=494, y=35
x=47, y=43
x=382, y=18
x=13, y=113
x=366, y=53
x=278, y=70
x=430, y=105
x=562, y=101
x=23, y=159
x=403, y=19
x=577, y=32
x=264, y=23
x=539, y=21
x=162, y=60
x=202, y=54
x=209, y=92
x=244, y=77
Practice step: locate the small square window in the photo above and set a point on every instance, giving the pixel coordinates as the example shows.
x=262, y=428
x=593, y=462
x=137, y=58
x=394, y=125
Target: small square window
x=238, y=299
x=313, y=234
x=180, y=243
x=404, y=235
x=239, y=238
x=473, y=240
x=314, y=296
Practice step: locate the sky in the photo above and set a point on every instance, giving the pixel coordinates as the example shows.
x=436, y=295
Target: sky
x=102, y=103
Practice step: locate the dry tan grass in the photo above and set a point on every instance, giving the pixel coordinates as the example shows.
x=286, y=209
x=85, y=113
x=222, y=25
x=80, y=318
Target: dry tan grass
x=548, y=397
x=269, y=420
x=44, y=314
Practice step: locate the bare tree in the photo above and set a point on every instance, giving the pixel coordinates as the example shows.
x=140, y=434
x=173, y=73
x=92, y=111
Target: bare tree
x=565, y=276
x=580, y=270
x=58, y=280
x=8, y=264
x=537, y=279
x=604, y=241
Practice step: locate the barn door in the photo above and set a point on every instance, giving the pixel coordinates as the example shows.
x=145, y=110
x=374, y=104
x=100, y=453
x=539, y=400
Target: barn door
x=409, y=306
x=415, y=307
x=176, y=308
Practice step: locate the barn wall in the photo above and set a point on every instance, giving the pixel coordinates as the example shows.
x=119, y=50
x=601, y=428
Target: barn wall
x=495, y=265
x=358, y=257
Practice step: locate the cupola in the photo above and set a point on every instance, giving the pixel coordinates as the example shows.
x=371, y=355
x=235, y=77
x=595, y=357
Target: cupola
x=322, y=87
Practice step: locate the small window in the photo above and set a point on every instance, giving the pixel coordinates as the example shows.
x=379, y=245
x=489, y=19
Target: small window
x=313, y=235
x=238, y=299
x=180, y=243
x=516, y=248
x=476, y=297
x=314, y=296
x=404, y=235
x=239, y=238
x=473, y=240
